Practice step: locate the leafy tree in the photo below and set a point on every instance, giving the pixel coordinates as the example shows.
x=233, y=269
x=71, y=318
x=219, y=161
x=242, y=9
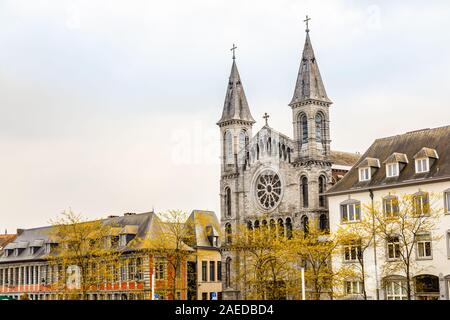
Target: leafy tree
x=407, y=217
x=362, y=234
x=264, y=265
x=83, y=257
x=313, y=249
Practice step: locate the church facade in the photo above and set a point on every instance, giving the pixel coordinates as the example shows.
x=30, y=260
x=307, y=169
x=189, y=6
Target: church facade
x=268, y=178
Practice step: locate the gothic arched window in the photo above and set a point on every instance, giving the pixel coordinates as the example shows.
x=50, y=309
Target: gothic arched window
x=323, y=222
x=319, y=127
x=280, y=227
x=228, y=202
x=243, y=140
x=289, y=228
x=228, y=147
x=228, y=233
x=322, y=189
x=304, y=192
x=305, y=224
x=272, y=227
x=304, y=128
x=228, y=272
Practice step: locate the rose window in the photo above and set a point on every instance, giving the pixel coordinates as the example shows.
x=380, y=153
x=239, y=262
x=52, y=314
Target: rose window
x=268, y=189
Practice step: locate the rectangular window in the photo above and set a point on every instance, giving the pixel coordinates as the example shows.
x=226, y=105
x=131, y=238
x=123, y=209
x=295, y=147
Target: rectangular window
x=390, y=206
x=392, y=170
x=396, y=290
x=421, y=204
x=204, y=295
x=423, y=243
x=353, y=287
x=212, y=271
x=447, y=201
x=393, y=248
x=422, y=165
x=204, y=271
x=160, y=269
x=448, y=245
x=351, y=212
x=352, y=253
x=219, y=270
x=364, y=174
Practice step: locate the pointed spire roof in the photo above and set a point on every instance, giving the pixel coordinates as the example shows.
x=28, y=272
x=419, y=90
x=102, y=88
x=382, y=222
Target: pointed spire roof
x=309, y=84
x=235, y=106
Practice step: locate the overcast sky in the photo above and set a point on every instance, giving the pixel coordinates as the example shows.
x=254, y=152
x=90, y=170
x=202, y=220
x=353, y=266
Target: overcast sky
x=109, y=106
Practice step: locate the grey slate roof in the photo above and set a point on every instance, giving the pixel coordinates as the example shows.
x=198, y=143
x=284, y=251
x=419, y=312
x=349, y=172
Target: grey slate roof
x=409, y=144
x=309, y=84
x=344, y=158
x=235, y=106
x=143, y=225
x=397, y=157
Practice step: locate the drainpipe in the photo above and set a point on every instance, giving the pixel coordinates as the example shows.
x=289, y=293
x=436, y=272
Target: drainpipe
x=374, y=246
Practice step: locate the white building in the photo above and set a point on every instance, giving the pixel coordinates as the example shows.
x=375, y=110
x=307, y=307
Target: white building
x=413, y=163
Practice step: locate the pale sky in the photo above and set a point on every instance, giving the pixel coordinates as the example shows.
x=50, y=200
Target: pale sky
x=109, y=106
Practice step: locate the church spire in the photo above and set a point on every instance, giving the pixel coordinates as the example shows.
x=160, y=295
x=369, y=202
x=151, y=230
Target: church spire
x=235, y=106
x=309, y=84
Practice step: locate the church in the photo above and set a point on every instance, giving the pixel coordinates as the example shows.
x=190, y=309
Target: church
x=269, y=178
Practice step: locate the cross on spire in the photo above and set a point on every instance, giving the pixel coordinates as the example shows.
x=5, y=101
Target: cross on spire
x=266, y=117
x=307, y=23
x=233, y=49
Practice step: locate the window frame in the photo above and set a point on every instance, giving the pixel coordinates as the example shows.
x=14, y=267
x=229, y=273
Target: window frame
x=356, y=212
x=160, y=269
x=424, y=203
x=395, y=168
x=359, y=285
x=395, y=248
x=420, y=162
x=447, y=201
x=426, y=239
x=204, y=271
x=394, y=209
x=362, y=177
x=212, y=271
x=390, y=284
x=350, y=248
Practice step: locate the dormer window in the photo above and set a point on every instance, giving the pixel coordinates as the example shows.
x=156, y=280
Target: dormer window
x=392, y=170
x=422, y=165
x=425, y=159
x=364, y=174
x=367, y=168
x=395, y=163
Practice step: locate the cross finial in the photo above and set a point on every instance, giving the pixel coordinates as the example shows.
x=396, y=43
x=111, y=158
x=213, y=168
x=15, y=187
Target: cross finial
x=307, y=23
x=233, y=49
x=266, y=117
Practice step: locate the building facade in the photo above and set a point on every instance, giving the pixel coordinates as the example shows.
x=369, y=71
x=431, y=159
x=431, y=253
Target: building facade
x=268, y=178
x=206, y=277
x=416, y=164
x=141, y=274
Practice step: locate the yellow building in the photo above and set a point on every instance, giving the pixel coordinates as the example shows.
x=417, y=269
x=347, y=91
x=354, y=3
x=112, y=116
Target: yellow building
x=205, y=276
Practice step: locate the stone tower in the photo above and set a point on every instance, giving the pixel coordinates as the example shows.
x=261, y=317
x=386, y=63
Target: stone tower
x=235, y=131
x=267, y=178
x=310, y=112
x=310, y=109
